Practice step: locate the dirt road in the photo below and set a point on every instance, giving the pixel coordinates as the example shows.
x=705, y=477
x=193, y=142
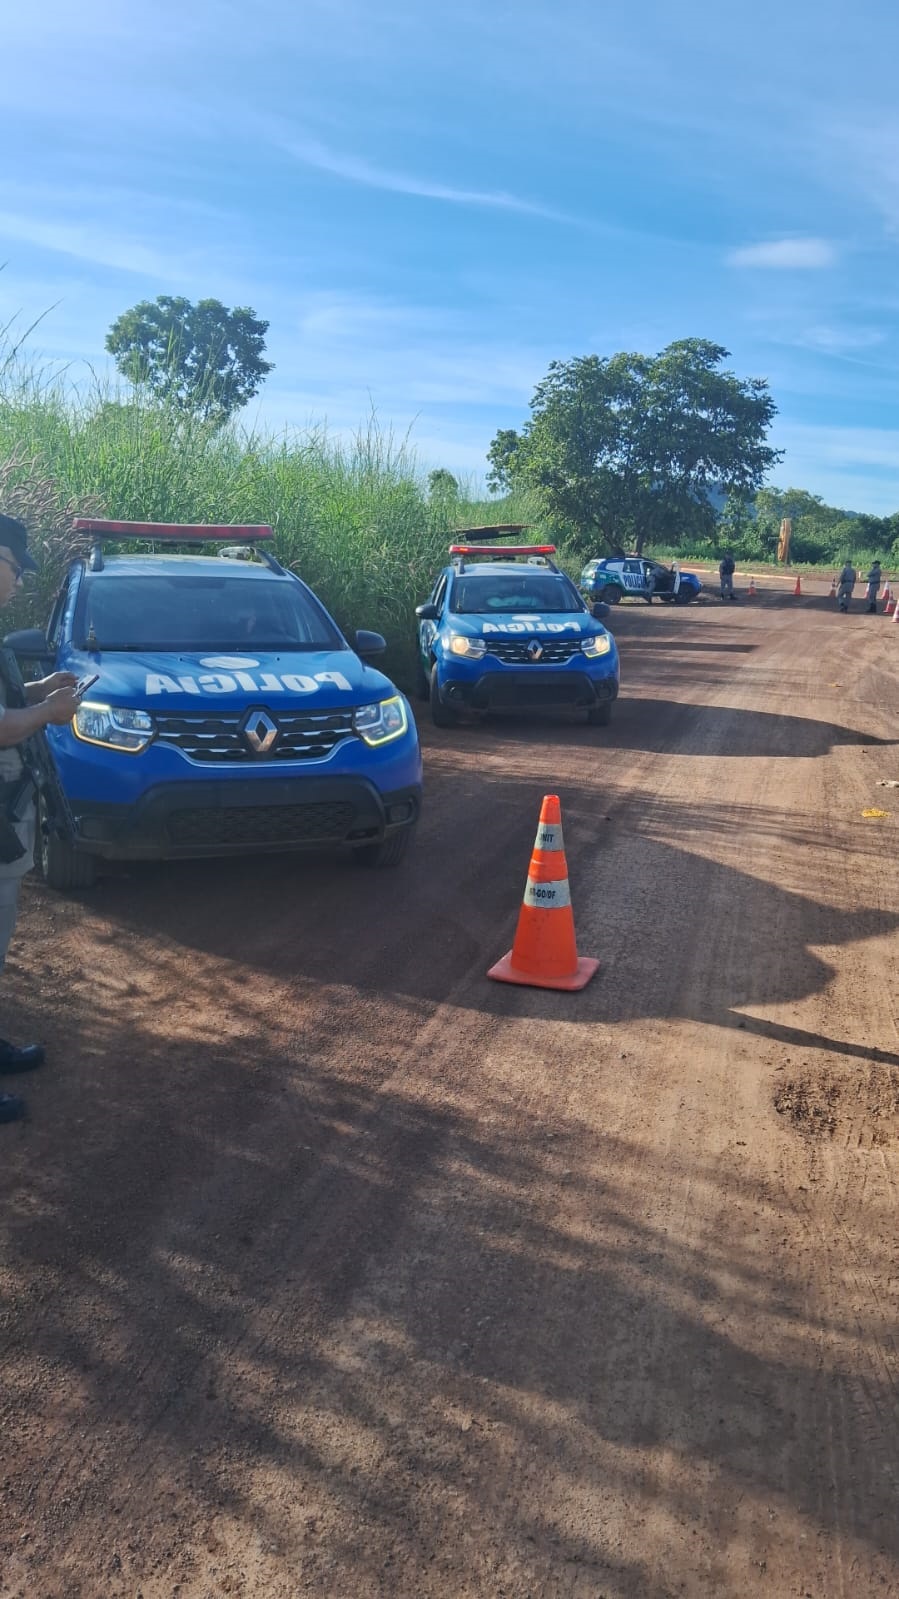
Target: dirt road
x=331, y=1268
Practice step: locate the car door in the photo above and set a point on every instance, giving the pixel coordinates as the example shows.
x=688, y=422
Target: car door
x=632, y=577
x=427, y=629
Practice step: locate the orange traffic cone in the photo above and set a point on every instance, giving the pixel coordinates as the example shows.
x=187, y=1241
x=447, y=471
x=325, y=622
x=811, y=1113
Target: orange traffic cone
x=752, y=588
x=887, y=599
x=544, y=954
x=833, y=588
x=890, y=607
x=896, y=612
x=798, y=589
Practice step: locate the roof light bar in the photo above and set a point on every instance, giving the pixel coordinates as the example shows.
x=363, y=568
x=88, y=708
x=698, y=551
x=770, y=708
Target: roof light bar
x=502, y=549
x=173, y=532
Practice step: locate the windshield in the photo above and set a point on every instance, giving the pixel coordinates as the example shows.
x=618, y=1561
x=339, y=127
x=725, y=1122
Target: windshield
x=200, y=612
x=524, y=591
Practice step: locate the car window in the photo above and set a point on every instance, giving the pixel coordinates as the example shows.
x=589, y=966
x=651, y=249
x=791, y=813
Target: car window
x=480, y=594
x=196, y=612
x=439, y=594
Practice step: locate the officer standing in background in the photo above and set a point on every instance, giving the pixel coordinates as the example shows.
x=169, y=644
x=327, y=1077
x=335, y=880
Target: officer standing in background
x=726, y=569
x=52, y=700
x=845, y=585
x=873, y=581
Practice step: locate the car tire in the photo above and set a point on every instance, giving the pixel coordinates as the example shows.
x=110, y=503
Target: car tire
x=61, y=865
x=600, y=715
x=611, y=594
x=684, y=596
x=441, y=715
x=388, y=853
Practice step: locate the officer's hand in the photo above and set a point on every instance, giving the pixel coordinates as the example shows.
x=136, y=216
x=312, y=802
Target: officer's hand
x=56, y=680
x=61, y=706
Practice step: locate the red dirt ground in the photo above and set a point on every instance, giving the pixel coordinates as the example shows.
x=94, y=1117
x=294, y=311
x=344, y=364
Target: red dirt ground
x=330, y=1268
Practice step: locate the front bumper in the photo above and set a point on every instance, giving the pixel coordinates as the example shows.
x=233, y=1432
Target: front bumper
x=237, y=817
x=529, y=689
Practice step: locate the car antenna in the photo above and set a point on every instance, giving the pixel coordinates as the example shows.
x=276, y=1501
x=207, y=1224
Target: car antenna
x=92, y=638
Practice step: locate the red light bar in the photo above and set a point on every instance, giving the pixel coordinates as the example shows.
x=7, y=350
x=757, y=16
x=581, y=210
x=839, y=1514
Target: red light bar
x=499, y=550
x=174, y=532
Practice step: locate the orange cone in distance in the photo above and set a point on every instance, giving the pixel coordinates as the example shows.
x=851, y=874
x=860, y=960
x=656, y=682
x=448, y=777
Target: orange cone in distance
x=752, y=588
x=798, y=589
x=896, y=612
x=833, y=588
x=544, y=954
x=887, y=599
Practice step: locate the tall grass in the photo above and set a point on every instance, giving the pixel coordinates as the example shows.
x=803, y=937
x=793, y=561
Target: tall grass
x=354, y=519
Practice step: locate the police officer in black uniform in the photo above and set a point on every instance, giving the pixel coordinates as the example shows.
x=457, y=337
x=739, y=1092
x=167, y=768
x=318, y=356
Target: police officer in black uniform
x=51, y=700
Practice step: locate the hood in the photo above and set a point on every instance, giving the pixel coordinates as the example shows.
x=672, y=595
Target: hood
x=149, y=680
x=540, y=624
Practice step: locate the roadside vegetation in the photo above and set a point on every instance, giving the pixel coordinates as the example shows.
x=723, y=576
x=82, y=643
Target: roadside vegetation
x=359, y=519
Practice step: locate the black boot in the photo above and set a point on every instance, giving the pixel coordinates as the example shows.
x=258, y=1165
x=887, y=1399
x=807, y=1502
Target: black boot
x=13, y=1059
x=11, y=1107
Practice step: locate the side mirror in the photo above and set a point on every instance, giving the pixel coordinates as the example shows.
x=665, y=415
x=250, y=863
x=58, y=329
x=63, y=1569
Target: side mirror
x=369, y=643
x=600, y=611
x=30, y=643
x=427, y=613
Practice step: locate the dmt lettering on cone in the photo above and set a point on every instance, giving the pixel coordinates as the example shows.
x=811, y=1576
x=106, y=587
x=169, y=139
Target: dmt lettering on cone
x=544, y=954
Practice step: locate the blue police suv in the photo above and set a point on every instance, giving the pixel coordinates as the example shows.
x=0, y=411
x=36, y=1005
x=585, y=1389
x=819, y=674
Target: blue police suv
x=224, y=713
x=505, y=629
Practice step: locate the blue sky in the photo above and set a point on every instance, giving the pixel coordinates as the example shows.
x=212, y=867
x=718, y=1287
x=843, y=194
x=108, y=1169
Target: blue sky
x=430, y=202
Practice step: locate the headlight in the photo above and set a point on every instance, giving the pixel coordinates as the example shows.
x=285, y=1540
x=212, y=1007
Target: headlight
x=378, y=724
x=461, y=644
x=599, y=644
x=115, y=726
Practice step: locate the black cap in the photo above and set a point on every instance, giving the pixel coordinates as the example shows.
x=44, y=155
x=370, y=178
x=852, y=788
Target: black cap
x=14, y=535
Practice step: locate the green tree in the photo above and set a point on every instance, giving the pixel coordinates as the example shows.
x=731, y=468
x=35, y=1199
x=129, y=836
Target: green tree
x=204, y=359
x=442, y=485
x=503, y=456
x=627, y=448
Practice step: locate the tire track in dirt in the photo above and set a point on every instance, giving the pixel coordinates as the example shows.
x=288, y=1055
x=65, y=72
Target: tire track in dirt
x=376, y=1279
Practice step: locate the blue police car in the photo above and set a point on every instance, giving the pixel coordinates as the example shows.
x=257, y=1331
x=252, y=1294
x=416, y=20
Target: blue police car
x=225, y=712
x=505, y=629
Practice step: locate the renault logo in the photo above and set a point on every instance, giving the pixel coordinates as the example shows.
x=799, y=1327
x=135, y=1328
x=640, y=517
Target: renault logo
x=260, y=732
x=535, y=650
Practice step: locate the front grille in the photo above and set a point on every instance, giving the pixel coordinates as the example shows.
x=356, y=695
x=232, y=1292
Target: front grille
x=260, y=824
x=515, y=651
x=302, y=736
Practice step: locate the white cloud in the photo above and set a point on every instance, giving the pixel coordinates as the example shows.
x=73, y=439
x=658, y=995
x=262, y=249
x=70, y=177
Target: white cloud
x=833, y=340
x=311, y=153
x=853, y=467
x=785, y=255
x=113, y=249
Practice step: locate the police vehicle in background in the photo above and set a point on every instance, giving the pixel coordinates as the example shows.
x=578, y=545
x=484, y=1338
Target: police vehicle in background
x=613, y=579
x=505, y=629
x=228, y=714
